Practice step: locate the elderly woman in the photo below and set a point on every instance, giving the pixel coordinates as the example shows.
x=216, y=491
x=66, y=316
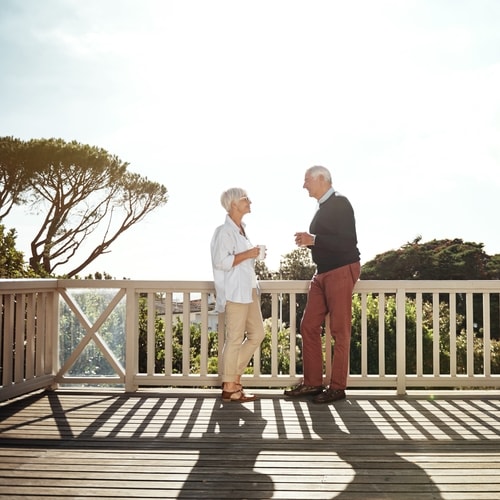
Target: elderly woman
x=233, y=259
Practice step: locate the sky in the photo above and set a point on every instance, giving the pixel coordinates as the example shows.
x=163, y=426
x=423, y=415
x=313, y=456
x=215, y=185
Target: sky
x=398, y=98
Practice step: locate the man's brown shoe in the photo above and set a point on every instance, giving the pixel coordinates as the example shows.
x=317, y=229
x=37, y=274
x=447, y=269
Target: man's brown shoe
x=302, y=390
x=329, y=396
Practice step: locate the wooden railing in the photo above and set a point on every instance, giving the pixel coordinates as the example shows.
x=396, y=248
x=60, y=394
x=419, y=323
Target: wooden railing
x=112, y=333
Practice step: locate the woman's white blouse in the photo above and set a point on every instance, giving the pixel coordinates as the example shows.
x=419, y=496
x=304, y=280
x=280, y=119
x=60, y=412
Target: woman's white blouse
x=231, y=283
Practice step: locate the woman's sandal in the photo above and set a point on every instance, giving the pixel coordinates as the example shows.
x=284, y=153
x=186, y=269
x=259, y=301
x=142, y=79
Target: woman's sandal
x=239, y=386
x=227, y=396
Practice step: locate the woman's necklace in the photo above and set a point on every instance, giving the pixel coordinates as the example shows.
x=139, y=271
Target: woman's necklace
x=240, y=227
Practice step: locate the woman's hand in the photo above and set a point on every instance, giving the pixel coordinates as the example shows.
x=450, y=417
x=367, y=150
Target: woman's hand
x=254, y=252
x=251, y=253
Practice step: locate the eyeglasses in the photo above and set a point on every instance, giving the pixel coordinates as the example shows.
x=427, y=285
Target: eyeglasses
x=246, y=198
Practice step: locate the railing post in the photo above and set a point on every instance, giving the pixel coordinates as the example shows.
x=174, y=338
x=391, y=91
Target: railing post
x=131, y=341
x=221, y=337
x=401, y=340
x=52, y=340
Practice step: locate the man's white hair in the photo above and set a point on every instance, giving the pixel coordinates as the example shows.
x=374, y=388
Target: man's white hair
x=319, y=170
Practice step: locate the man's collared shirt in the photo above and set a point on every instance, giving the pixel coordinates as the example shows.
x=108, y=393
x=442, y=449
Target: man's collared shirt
x=326, y=196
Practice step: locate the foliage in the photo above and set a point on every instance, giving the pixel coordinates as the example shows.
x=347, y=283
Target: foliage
x=98, y=276
x=12, y=263
x=283, y=342
x=159, y=340
x=195, y=348
x=389, y=341
x=195, y=359
x=493, y=267
x=15, y=174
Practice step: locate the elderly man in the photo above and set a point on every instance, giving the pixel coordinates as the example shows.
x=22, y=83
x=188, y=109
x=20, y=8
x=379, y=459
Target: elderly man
x=333, y=243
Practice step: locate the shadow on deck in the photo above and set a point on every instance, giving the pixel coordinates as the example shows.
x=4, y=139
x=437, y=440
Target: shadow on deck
x=187, y=444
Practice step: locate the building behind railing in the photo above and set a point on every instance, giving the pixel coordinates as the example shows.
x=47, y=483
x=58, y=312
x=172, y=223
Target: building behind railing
x=131, y=334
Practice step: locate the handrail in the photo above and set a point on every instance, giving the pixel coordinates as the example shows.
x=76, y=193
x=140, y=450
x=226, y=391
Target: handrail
x=47, y=328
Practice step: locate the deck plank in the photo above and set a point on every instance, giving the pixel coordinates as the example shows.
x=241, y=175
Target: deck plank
x=188, y=444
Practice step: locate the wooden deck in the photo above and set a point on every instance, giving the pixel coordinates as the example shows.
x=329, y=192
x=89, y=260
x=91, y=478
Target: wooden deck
x=187, y=444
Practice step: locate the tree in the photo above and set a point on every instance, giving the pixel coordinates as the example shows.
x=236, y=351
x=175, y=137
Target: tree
x=97, y=276
x=437, y=259
x=262, y=271
x=12, y=263
x=493, y=267
x=84, y=194
x=297, y=265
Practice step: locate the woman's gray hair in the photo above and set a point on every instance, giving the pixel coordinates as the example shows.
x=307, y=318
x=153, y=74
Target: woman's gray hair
x=231, y=195
x=319, y=170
